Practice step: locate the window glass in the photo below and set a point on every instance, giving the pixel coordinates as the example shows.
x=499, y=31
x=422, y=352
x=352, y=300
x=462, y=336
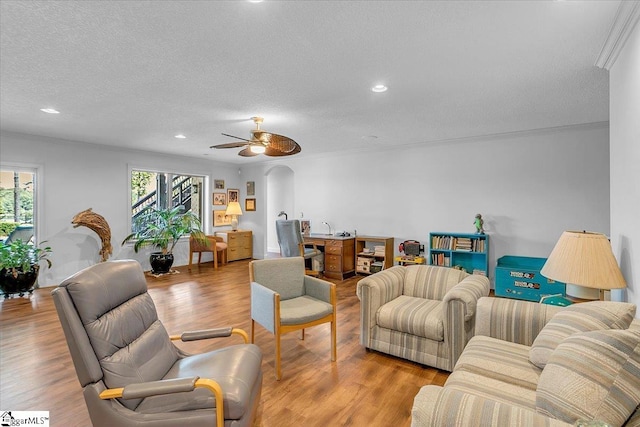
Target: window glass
x=17, y=216
x=156, y=190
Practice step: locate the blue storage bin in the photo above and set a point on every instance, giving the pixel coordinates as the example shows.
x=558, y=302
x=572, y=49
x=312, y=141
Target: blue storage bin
x=519, y=277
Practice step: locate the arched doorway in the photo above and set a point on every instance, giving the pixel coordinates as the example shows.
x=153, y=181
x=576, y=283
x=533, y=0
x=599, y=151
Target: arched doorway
x=280, y=198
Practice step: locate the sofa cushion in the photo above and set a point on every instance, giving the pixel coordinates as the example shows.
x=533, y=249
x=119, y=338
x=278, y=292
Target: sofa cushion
x=592, y=376
x=500, y=360
x=416, y=316
x=589, y=316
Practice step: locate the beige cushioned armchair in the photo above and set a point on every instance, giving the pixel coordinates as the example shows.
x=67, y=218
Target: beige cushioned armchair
x=421, y=313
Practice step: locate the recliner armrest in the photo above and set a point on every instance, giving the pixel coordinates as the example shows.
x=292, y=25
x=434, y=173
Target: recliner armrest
x=210, y=333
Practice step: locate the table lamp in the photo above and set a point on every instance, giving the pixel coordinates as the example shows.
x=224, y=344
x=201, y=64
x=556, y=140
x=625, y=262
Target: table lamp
x=233, y=209
x=584, y=258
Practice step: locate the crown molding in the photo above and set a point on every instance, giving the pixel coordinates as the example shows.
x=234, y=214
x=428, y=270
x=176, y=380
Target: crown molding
x=626, y=19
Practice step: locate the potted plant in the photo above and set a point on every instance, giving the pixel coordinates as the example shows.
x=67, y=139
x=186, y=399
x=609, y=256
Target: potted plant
x=19, y=266
x=162, y=229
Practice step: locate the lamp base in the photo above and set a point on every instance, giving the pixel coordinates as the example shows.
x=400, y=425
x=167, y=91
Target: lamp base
x=582, y=293
x=234, y=223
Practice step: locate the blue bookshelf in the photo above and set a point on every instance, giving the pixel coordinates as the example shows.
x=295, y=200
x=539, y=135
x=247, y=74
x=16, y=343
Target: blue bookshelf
x=469, y=251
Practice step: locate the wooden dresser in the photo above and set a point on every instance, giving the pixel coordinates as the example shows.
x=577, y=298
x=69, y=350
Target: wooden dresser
x=239, y=244
x=339, y=254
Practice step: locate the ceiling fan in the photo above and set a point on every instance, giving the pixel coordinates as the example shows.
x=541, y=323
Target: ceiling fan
x=271, y=144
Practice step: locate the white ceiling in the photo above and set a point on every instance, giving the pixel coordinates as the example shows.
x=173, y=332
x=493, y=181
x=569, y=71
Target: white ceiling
x=136, y=73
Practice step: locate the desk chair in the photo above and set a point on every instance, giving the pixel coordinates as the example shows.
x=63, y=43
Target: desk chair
x=213, y=244
x=292, y=243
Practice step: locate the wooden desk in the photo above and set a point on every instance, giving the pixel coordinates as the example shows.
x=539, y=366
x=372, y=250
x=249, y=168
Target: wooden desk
x=339, y=258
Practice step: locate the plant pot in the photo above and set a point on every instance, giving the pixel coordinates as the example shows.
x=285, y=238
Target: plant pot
x=160, y=263
x=18, y=281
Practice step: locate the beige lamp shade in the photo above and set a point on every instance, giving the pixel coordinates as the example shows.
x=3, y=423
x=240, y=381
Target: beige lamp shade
x=233, y=208
x=584, y=258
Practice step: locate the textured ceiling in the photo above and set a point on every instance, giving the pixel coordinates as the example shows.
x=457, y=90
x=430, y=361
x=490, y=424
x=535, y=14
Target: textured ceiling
x=136, y=73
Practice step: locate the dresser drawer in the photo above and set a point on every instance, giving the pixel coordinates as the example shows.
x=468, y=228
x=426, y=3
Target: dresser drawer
x=333, y=263
x=333, y=247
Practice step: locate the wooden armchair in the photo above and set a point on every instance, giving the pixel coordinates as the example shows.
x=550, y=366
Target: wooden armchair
x=213, y=244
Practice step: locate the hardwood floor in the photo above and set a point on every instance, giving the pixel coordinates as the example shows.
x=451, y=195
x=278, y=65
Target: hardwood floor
x=362, y=388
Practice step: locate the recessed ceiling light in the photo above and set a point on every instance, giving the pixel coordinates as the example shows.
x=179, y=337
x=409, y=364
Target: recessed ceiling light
x=379, y=88
x=180, y=136
x=255, y=1
x=50, y=111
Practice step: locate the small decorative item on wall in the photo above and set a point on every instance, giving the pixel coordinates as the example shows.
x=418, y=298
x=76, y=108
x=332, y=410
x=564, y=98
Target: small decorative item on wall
x=250, y=204
x=218, y=184
x=219, y=218
x=305, y=226
x=219, y=199
x=251, y=188
x=233, y=195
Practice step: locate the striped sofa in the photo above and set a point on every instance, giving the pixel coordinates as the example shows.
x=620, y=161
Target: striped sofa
x=533, y=364
x=421, y=313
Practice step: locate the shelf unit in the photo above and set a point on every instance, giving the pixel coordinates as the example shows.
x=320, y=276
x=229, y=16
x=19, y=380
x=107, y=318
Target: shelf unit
x=469, y=251
x=380, y=259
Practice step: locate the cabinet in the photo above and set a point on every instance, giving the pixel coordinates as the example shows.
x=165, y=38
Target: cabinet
x=469, y=251
x=373, y=253
x=239, y=244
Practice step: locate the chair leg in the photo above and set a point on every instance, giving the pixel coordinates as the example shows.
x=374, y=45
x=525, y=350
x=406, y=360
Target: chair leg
x=215, y=260
x=253, y=328
x=302, y=335
x=334, y=352
x=190, y=259
x=278, y=365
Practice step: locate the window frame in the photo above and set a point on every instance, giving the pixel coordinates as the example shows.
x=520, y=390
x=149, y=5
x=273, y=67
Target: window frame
x=38, y=192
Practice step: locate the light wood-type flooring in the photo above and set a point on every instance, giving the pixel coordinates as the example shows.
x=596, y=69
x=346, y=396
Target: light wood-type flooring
x=362, y=388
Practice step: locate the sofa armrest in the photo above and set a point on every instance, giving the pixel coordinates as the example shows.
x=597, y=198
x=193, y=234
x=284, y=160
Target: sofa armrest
x=374, y=291
x=512, y=320
x=468, y=291
x=442, y=406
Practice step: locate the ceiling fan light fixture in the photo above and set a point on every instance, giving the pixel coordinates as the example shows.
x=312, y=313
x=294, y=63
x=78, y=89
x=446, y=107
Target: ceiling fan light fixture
x=258, y=149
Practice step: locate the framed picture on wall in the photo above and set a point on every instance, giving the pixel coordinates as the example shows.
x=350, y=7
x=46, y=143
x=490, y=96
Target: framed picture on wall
x=218, y=184
x=219, y=199
x=305, y=226
x=251, y=188
x=219, y=218
x=250, y=204
x=233, y=195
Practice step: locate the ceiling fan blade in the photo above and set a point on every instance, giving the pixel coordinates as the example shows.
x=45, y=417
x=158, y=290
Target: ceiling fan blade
x=277, y=142
x=270, y=151
x=247, y=152
x=236, y=137
x=230, y=145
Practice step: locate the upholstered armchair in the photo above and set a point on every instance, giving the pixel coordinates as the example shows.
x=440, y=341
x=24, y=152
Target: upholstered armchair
x=131, y=372
x=421, y=313
x=284, y=299
x=214, y=244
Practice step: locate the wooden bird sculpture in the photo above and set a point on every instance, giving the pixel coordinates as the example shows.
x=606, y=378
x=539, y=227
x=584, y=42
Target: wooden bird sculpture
x=97, y=223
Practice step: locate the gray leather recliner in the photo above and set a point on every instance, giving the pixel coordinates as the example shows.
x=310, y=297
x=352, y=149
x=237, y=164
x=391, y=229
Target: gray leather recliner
x=131, y=372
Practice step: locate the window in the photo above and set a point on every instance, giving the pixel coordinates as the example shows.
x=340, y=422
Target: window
x=159, y=190
x=17, y=203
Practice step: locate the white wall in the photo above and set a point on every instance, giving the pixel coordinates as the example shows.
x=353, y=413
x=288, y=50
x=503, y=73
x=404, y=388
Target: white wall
x=624, y=88
x=279, y=188
x=529, y=187
x=78, y=176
